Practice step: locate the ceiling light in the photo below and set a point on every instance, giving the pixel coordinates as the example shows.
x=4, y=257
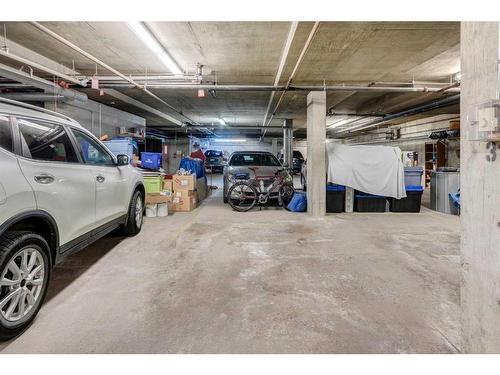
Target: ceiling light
x=342, y=122
x=222, y=122
x=339, y=121
x=230, y=140
x=150, y=41
x=457, y=76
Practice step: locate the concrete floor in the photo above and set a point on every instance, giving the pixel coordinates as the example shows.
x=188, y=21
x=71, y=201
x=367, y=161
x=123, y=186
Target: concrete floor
x=217, y=281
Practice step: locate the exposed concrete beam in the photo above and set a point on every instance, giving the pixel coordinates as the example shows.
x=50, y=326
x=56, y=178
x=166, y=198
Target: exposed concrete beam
x=28, y=54
x=43, y=84
x=127, y=99
x=35, y=65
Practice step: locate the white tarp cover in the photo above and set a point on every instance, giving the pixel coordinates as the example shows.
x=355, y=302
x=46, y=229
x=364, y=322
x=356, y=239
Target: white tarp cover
x=371, y=169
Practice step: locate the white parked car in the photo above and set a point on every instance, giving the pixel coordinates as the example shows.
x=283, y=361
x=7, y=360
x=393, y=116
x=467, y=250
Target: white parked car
x=60, y=190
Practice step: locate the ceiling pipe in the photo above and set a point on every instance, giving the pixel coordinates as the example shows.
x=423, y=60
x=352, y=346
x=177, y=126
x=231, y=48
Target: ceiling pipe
x=281, y=65
x=43, y=68
x=444, y=102
x=161, y=77
x=26, y=97
x=331, y=88
x=106, y=66
x=5, y=85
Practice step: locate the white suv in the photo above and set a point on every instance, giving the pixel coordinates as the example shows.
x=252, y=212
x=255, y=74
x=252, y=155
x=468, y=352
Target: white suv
x=60, y=190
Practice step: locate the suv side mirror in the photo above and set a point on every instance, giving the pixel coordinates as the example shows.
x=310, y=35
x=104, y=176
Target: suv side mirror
x=122, y=160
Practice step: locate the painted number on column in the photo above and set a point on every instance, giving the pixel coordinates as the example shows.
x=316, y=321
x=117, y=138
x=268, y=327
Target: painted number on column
x=492, y=147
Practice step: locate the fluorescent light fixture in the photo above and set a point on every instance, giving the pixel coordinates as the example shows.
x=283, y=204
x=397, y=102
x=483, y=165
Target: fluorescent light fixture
x=339, y=121
x=150, y=41
x=230, y=140
x=222, y=122
x=457, y=76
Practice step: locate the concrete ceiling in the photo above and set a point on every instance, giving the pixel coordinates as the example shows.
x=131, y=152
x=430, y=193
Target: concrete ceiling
x=249, y=53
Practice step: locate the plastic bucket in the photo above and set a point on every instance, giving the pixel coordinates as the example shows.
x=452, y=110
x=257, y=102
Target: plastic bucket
x=151, y=210
x=162, y=209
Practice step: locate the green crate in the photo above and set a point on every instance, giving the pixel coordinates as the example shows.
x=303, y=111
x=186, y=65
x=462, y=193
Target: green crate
x=153, y=184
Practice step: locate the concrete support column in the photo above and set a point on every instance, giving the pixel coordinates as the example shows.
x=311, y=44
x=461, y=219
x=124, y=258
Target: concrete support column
x=275, y=146
x=480, y=187
x=316, y=153
x=287, y=142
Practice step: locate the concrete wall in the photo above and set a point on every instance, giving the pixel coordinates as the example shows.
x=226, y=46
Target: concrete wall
x=480, y=187
x=176, y=149
x=98, y=118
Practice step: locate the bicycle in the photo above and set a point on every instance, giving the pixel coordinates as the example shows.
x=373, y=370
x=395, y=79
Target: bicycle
x=245, y=194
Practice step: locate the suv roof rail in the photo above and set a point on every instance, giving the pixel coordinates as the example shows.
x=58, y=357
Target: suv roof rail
x=34, y=107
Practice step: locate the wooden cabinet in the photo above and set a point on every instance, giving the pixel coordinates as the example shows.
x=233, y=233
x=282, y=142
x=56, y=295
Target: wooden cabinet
x=435, y=157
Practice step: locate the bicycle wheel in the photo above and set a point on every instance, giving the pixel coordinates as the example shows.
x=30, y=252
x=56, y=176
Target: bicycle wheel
x=286, y=193
x=242, y=196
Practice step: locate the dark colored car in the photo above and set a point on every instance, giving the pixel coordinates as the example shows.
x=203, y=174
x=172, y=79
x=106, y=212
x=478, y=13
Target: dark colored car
x=297, y=161
x=215, y=160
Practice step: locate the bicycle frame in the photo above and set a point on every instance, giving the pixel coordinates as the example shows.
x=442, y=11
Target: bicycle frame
x=265, y=193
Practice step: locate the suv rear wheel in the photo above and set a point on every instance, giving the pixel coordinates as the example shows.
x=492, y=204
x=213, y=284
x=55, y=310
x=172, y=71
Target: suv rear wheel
x=24, y=276
x=135, y=215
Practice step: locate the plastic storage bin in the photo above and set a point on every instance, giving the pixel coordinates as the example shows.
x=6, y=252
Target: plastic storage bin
x=411, y=203
x=442, y=184
x=413, y=176
x=153, y=184
x=364, y=202
x=151, y=160
x=335, y=198
x=120, y=147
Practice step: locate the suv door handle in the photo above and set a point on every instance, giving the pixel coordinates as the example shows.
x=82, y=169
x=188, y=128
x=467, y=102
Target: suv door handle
x=44, y=179
x=100, y=178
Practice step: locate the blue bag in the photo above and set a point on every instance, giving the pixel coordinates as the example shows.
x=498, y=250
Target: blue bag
x=194, y=165
x=298, y=202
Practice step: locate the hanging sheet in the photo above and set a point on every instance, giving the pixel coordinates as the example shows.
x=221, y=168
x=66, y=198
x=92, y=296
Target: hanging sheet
x=375, y=170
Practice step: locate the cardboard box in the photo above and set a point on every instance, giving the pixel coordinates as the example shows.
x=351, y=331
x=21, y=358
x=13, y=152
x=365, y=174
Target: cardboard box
x=155, y=198
x=183, y=202
x=201, y=188
x=187, y=182
x=168, y=185
x=183, y=194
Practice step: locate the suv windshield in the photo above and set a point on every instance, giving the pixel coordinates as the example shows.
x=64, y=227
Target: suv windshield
x=265, y=160
x=213, y=153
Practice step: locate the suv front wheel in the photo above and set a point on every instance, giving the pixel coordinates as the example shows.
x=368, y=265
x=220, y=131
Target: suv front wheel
x=24, y=276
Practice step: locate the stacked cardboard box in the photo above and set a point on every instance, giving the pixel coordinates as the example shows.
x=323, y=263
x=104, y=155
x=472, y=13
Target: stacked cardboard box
x=184, y=196
x=158, y=196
